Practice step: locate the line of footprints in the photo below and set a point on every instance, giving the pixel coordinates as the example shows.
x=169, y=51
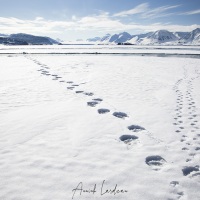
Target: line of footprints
x=186, y=113
x=155, y=161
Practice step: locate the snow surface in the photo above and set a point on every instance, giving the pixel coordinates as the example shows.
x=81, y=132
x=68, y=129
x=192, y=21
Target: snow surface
x=101, y=49
x=53, y=137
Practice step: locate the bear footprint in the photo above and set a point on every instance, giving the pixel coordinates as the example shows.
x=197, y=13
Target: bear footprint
x=189, y=169
x=135, y=128
x=127, y=139
x=120, y=115
x=92, y=103
x=155, y=162
x=103, y=111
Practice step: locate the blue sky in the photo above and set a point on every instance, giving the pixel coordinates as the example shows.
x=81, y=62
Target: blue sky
x=82, y=19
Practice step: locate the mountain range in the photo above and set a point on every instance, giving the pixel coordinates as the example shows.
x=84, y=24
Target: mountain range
x=164, y=37
x=151, y=38
x=26, y=39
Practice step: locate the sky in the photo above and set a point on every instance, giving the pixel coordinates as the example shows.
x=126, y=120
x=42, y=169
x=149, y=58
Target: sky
x=70, y=20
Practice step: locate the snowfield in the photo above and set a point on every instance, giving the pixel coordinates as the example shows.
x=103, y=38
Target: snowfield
x=110, y=127
x=160, y=50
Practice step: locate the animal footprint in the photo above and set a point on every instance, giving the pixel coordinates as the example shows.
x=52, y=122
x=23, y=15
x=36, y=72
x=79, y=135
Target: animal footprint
x=103, y=111
x=79, y=92
x=187, y=170
x=127, y=139
x=155, y=162
x=98, y=99
x=120, y=115
x=92, y=103
x=135, y=128
x=174, y=183
x=89, y=93
x=70, y=88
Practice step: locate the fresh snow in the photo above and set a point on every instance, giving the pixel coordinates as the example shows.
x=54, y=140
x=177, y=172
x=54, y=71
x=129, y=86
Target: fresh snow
x=141, y=132
x=102, y=49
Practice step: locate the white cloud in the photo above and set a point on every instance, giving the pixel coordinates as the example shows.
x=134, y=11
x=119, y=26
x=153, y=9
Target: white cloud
x=103, y=22
x=167, y=26
x=96, y=23
x=146, y=12
x=106, y=23
x=36, y=26
x=158, y=12
x=138, y=9
x=99, y=22
x=193, y=12
x=39, y=18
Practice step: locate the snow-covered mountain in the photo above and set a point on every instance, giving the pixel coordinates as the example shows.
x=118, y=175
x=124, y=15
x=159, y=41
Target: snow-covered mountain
x=151, y=38
x=105, y=38
x=31, y=39
x=137, y=39
x=180, y=34
x=108, y=38
x=120, y=38
x=6, y=40
x=25, y=39
x=193, y=37
x=95, y=39
x=159, y=37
